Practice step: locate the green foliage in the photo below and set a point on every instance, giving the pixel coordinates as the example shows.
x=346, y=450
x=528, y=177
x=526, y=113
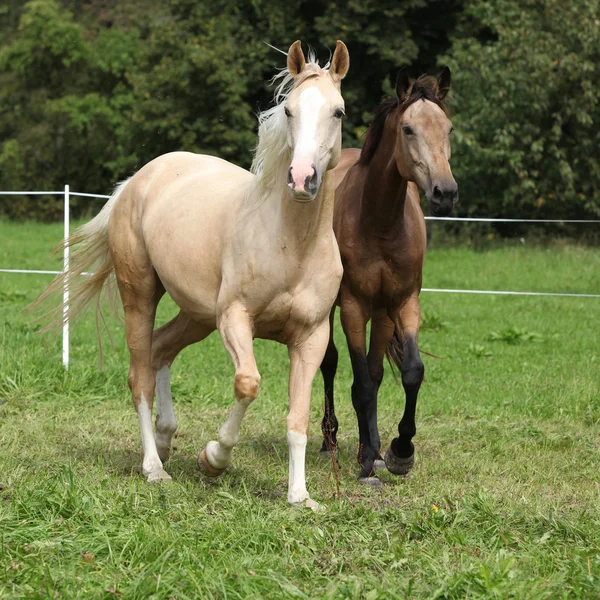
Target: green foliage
x=479, y=351
x=90, y=92
x=514, y=335
x=527, y=108
x=432, y=321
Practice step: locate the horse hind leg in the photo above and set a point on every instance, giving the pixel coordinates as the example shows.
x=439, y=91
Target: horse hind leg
x=140, y=291
x=167, y=342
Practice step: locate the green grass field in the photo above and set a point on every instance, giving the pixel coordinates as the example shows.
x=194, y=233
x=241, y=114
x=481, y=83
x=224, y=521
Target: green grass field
x=504, y=500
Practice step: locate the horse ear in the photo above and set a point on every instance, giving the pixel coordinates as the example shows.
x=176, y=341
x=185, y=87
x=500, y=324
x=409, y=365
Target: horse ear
x=340, y=61
x=443, y=83
x=402, y=85
x=295, y=61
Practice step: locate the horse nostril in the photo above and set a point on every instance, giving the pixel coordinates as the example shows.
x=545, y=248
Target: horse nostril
x=290, y=180
x=437, y=193
x=310, y=184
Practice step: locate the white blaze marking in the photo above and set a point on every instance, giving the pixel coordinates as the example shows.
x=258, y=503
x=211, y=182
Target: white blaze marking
x=297, y=478
x=311, y=101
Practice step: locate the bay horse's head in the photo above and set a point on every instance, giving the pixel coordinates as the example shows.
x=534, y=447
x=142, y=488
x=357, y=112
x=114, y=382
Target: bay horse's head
x=314, y=110
x=423, y=139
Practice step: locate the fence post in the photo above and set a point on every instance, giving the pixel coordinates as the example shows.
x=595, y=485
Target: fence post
x=65, y=332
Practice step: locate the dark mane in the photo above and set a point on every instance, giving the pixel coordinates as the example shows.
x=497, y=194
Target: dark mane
x=424, y=88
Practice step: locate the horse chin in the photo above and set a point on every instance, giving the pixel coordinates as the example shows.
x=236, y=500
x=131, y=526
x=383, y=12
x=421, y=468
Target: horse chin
x=302, y=197
x=440, y=211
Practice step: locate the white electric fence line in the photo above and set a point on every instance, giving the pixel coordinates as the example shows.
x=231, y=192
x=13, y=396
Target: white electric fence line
x=466, y=219
x=67, y=193
x=440, y=290
x=484, y=220
x=510, y=293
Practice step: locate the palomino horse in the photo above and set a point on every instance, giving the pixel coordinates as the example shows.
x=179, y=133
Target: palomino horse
x=380, y=230
x=249, y=255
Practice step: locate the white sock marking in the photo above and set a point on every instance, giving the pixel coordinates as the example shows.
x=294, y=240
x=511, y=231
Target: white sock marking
x=151, y=460
x=297, y=478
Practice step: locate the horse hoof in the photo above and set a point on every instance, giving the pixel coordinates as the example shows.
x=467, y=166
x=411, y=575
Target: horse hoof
x=158, y=476
x=327, y=453
x=379, y=464
x=163, y=453
x=372, y=481
x=309, y=503
x=206, y=467
x=397, y=465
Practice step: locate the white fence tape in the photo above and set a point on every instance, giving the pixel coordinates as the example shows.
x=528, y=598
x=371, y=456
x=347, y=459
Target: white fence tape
x=67, y=193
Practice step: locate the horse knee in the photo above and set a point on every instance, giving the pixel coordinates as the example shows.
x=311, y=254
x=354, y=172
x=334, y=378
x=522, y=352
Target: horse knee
x=247, y=385
x=413, y=373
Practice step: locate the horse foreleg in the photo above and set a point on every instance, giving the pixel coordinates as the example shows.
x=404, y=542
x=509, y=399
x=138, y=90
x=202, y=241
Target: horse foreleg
x=399, y=458
x=382, y=330
x=305, y=357
x=167, y=342
x=364, y=398
x=329, y=424
x=237, y=334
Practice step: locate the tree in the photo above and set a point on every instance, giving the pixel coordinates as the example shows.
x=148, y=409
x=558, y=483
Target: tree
x=527, y=108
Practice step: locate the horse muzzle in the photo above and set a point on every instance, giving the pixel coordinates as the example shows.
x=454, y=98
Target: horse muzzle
x=303, y=183
x=442, y=199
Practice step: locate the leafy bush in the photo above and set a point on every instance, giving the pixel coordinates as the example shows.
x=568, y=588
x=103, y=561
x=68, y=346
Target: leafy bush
x=527, y=108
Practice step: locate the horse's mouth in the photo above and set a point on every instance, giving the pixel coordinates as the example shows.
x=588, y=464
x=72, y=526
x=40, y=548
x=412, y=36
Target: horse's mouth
x=302, y=196
x=441, y=210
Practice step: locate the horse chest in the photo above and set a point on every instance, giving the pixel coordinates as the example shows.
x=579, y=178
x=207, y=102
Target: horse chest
x=381, y=281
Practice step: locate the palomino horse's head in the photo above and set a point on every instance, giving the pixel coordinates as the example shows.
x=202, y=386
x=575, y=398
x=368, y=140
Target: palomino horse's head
x=423, y=139
x=314, y=110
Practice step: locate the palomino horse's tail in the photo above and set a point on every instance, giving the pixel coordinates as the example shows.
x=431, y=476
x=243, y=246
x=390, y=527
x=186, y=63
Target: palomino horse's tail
x=394, y=355
x=90, y=270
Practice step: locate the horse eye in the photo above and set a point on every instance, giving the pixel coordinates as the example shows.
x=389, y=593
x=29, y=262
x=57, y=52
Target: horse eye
x=451, y=129
x=339, y=113
x=407, y=130
x=287, y=112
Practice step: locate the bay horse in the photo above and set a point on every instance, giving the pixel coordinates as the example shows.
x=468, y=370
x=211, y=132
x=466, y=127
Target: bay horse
x=380, y=229
x=251, y=254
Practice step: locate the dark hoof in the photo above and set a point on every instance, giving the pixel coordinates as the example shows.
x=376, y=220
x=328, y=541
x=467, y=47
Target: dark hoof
x=373, y=481
x=397, y=465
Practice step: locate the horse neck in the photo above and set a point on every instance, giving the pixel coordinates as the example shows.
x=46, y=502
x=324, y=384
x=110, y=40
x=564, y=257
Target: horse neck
x=385, y=191
x=299, y=225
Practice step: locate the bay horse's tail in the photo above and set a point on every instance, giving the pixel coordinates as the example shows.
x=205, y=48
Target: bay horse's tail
x=90, y=270
x=395, y=355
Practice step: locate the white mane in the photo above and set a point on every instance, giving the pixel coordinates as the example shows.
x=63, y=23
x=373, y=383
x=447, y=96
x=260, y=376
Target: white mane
x=272, y=125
